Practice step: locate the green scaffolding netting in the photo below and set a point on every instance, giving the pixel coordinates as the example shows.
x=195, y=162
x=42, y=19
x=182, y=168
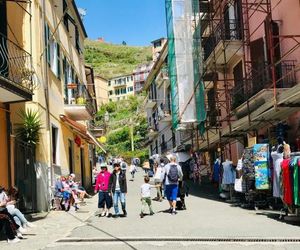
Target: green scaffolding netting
x=185, y=62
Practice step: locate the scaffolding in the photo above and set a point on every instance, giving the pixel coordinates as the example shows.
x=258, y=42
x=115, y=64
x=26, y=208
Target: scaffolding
x=184, y=59
x=243, y=69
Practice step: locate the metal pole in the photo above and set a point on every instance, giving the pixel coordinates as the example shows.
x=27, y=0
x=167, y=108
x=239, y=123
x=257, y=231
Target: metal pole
x=131, y=135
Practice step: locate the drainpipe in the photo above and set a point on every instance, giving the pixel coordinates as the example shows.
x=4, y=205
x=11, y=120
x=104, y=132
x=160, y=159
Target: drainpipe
x=46, y=93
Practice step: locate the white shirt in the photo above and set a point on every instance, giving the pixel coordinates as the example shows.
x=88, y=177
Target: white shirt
x=146, y=190
x=117, y=182
x=158, y=174
x=3, y=197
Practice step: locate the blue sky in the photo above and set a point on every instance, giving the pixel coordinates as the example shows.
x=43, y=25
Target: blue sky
x=137, y=22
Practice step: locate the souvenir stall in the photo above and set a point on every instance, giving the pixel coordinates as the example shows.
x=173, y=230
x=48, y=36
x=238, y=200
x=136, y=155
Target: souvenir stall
x=253, y=177
x=290, y=184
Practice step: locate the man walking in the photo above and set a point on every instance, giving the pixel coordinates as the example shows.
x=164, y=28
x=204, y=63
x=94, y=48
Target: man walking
x=118, y=186
x=172, y=174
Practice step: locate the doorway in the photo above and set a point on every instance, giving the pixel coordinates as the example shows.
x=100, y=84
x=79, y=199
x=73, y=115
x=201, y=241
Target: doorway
x=82, y=166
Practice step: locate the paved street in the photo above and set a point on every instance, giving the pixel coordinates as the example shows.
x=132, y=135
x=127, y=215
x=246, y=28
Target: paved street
x=207, y=224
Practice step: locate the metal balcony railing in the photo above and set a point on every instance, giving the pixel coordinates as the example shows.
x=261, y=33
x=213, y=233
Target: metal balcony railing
x=15, y=64
x=260, y=79
x=81, y=96
x=224, y=31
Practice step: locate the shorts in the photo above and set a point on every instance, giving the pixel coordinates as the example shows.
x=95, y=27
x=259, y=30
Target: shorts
x=171, y=192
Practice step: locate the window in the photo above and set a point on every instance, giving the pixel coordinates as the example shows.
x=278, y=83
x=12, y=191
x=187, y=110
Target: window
x=66, y=16
x=77, y=41
x=109, y=83
x=54, y=131
x=52, y=52
x=123, y=91
x=131, y=78
x=157, y=44
x=110, y=92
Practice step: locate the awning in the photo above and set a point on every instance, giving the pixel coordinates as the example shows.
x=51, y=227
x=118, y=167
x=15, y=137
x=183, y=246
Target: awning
x=96, y=142
x=82, y=130
x=79, y=128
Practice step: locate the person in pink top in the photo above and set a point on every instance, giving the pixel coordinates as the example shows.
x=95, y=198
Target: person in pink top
x=101, y=187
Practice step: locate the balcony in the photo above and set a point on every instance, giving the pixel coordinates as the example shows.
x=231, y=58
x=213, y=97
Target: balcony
x=224, y=44
x=150, y=104
x=163, y=77
x=79, y=104
x=259, y=89
x=16, y=72
x=152, y=131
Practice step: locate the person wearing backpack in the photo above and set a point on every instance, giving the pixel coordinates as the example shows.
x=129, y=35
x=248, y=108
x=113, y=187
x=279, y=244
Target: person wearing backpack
x=173, y=173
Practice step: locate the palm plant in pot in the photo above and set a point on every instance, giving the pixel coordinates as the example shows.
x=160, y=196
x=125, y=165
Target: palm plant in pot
x=29, y=130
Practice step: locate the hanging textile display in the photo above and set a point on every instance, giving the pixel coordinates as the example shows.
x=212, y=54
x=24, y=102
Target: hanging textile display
x=261, y=156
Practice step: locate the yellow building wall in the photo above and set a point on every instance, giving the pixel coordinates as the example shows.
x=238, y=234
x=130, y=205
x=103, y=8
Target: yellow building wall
x=68, y=134
x=101, y=89
x=4, y=150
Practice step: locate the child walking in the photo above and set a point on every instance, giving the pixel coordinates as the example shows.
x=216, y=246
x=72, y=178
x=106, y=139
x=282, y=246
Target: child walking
x=146, y=196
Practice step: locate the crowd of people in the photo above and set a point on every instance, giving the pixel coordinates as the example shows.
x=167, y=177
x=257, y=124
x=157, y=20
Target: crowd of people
x=11, y=218
x=167, y=179
x=68, y=193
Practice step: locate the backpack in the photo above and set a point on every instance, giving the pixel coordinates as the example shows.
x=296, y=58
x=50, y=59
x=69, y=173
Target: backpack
x=173, y=173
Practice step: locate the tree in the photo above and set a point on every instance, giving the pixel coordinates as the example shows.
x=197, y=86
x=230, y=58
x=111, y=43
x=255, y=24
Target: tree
x=124, y=43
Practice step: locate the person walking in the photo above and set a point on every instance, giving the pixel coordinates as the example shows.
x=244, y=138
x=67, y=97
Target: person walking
x=118, y=187
x=146, y=196
x=172, y=174
x=158, y=181
x=104, y=196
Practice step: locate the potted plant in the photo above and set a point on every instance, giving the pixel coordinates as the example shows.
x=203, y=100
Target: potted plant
x=81, y=100
x=26, y=76
x=29, y=130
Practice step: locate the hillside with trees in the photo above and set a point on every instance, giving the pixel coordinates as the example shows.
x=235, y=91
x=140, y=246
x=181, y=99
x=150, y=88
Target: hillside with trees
x=110, y=60
x=127, y=122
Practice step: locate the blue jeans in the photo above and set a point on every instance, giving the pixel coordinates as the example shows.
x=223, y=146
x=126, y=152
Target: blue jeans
x=116, y=197
x=18, y=216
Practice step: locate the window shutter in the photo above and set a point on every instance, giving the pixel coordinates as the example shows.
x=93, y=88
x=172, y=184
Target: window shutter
x=58, y=62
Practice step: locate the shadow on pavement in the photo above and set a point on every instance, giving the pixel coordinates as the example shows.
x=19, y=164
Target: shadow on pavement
x=108, y=234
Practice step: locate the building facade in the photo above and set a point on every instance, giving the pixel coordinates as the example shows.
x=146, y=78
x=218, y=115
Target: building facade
x=119, y=88
x=16, y=83
x=101, y=86
x=251, y=75
x=161, y=137
x=140, y=75
x=62, y=93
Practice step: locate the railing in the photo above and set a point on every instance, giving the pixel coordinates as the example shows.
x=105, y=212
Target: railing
x=260, y=79
x=15, y=64
x=224, y=31
x=81, y=96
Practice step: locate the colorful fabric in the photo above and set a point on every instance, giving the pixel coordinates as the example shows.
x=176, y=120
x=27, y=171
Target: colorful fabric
x=287, y=187
x=296, y=181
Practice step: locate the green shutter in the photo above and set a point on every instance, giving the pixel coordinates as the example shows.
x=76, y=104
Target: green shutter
x=58, y=62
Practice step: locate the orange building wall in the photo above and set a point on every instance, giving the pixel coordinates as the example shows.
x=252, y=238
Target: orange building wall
x=4, y=150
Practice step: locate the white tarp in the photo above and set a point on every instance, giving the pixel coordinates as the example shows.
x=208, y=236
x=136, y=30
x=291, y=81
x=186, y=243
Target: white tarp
x=183, y=39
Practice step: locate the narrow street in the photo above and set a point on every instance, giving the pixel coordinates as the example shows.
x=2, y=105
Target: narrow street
x=206, y=224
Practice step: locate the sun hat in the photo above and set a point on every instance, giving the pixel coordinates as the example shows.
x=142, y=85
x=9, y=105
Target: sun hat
x=103, y=165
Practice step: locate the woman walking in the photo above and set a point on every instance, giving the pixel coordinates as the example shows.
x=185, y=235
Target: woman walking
x=104, y=196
